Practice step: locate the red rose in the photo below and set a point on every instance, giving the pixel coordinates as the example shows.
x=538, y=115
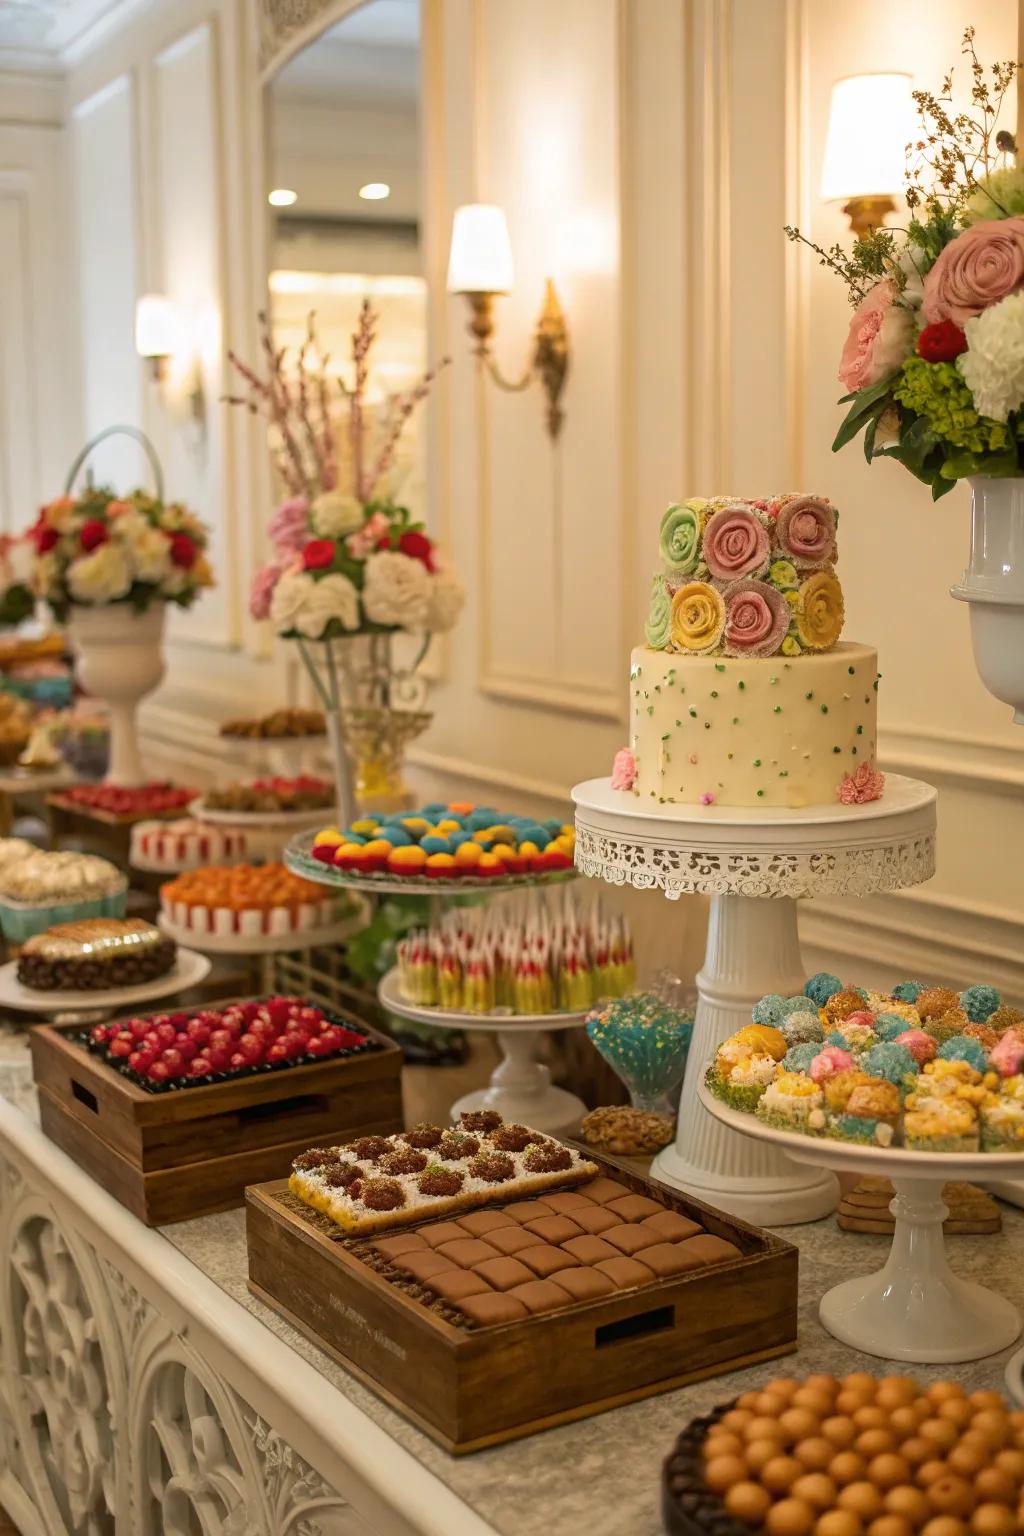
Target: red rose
x=418, y=547
x=384, y=542
x=318, y=554
x=93, y=534
x=183, y=551
x=44, y=537
x=941, y=342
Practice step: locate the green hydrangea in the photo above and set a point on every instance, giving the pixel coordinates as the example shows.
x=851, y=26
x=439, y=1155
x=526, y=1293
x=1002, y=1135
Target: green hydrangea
x=999, y=196
x=938, y=392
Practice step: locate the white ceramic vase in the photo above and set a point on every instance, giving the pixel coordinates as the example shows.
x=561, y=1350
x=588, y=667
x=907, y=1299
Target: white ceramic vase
x=119, y=659
x=993, y=584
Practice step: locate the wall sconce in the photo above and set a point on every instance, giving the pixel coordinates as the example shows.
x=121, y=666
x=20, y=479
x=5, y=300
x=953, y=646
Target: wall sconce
x=480, y=266
x=160, y=338
x=870, y=123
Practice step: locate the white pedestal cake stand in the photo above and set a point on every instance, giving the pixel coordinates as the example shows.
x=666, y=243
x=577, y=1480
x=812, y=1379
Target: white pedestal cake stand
x=739, y=857
x=67, y=1007
x=520, y=1088
x=914, y=1308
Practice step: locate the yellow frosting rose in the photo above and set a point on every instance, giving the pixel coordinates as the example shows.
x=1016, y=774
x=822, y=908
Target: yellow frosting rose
x=698, y=617
x=819, y=614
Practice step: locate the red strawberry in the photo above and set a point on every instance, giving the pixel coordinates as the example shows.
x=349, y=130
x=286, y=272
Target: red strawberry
x=330, y=1038
x=165, y=1033
x=174, y=1061
x=140, y=1060
x=158, y=1072
x=185, y=1047
x=198, y=1031
x=293, y=1044
x=277, y=1052
x=121, y=1048
x=99, y=1034
x=199, y=1066
x=250, y=1048
x=220, y=1040
x=238, y=1061
x=219, y=1060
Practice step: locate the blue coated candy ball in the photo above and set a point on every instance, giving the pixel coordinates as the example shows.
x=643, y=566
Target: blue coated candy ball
x=435, y=810
x=907, y=991
x=433, y=843
x=476, y=821
x=793, y=1005
x=768, y=1009
x=534, y=832
x=889, y=1025
x=802, y=1026
x=398, y=837
x=964, y=1048
x=979, y=1003
x=354, y=837
x=890, y=1061
x=799, y=1057
x=456, y=839
x=453, y=816
x=821, y=986
x=553, y=825
x=838, y=1038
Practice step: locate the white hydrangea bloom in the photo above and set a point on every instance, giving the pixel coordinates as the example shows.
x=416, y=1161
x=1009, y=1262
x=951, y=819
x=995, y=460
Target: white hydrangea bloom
x=334, y=513
x=148, y=548
x=447, y=597
x=307, y=606
x=396, y=590
x=993, y=365
x=102, y=576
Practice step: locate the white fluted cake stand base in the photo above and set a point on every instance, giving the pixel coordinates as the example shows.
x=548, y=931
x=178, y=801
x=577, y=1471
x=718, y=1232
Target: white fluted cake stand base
x=740, y=857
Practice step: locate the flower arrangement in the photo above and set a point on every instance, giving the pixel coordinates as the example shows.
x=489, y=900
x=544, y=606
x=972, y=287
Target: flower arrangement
x=98, y=548
x=746, y=578
x=346, y=559
x=933, y=363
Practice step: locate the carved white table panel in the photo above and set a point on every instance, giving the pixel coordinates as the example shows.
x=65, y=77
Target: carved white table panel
x=136, y=1399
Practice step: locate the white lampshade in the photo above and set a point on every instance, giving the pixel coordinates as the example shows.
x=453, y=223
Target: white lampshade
x=155, y=325
x=870, y=123
x=481, y=254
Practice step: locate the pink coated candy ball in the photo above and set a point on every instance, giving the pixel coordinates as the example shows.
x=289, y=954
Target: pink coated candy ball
x=1007, y=1055
x=861, y=1016
x=829, y=1060
x=921, y=1046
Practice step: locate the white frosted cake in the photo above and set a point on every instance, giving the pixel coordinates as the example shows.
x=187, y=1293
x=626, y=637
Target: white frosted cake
x=743, y=694
x=185, y=844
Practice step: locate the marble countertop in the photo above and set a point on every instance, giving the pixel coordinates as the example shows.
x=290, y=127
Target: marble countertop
x=600, y=1474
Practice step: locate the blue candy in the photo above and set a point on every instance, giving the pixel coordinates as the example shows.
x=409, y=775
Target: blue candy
x=435, y=810
x=799, y=1057
x=821, y=986
x=355, y=837
x=435, y=843
x=890, y=1061
x=456, y=839
x=768, y=1009
x=534, y=832
x=964, y=1048
x=979, y=1003
x=478, y=820
x=397, y=836
x=907, y=991
x=889, y=1025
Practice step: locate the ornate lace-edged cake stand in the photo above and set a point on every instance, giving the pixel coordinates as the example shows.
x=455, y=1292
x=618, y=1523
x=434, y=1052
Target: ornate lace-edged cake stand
x=520, y=1088
x=914, y=1308
x=740, y=857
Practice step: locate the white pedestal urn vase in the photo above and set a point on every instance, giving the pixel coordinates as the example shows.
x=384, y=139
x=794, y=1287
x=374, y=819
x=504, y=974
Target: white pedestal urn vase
x=119, y=659
x=993, y=584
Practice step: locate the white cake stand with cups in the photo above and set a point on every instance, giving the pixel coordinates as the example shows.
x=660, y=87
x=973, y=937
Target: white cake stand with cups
x=755, y=865
x=520, y=1088
x=914, y=1308
x=267, y=944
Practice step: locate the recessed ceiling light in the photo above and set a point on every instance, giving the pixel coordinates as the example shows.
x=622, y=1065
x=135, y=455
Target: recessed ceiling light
x=282, y=197
x=375, y=191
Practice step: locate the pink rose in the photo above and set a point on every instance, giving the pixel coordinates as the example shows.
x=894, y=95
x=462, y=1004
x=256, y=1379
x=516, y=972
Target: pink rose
x=830, y=1060
x=921, y=1046
x=736, y=543
x=860, y=787
x=624, y=770
x=978, y=268
x=756, y=619
x=262, y=590
x=289, y=525
x=879, y=340
x=805, y=532
x=366, y=539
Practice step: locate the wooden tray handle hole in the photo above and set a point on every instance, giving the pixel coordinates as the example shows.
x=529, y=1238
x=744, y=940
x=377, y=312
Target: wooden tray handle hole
x=301, y=1104
x=641, y=1323
x=85, y=1097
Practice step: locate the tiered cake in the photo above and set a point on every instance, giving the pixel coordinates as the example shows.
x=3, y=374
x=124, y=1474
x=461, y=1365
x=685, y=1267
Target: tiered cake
x=743, y=694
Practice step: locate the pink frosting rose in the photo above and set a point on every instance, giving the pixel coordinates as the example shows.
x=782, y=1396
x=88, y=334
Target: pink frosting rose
x=736, y=543
x=756, y=619
x=624, y=770
x=860, y=787
x=1007, y=1055
x=289, y=525
x=920, y=1045
x=879, y=340
x=805, y=532
x=262, y=590
x=980, y=267
x=830, y=1060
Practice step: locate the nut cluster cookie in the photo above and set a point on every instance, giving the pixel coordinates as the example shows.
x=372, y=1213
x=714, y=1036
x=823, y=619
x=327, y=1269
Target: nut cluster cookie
x=627, y=1132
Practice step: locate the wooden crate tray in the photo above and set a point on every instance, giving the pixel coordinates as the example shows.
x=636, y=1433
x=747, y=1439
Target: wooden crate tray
x=470, y=1387
x=186, y=1152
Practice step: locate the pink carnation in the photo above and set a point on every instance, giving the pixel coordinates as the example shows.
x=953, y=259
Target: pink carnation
x=805, y=532
x=289, y=526
x=978, y=268
x=261, y=592
x=624, y=770
x=920, y=1045
x=366, y=539
x=736, y=543
x=860, y=787
x=879, y=340
x=756, y=619
x=830, y=1060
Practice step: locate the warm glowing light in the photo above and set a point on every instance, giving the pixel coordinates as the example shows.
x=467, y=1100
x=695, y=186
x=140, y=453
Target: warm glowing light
x=871, y=121
x=282, y=197
x=156, y=325
x=481, y=253
x=375, y=191
x=284, y=281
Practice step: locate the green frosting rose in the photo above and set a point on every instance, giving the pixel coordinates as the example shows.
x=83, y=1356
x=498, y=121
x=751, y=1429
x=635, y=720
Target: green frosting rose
x=681, y=529
x=783, y=575
x=658, y=629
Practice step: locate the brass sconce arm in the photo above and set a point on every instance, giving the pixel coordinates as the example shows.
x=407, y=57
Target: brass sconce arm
x=549, y=360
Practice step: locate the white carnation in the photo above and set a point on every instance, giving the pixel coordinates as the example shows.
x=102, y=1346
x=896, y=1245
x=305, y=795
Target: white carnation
x=447, y=596
x=993, y=365
x=307, y=606
x=102, y=576
x=334, y=514
x=396, y=590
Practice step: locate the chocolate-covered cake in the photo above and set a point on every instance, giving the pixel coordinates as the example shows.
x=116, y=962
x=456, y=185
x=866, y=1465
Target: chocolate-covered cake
x=851, y=1457
x=94, y=955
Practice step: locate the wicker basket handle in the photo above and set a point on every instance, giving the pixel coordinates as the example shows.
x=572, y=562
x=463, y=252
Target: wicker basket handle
x=140, y=437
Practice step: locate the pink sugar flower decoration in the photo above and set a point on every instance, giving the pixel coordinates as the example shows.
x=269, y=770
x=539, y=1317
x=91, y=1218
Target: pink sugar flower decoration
x=261, y=592
x=864, y=785
x=624, y=769
x=707, y=799
x=830, y=1060
x=736, y=543
x=756, y=618
x=920, y=1045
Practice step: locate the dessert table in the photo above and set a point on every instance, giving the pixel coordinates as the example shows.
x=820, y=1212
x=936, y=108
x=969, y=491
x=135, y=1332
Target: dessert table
x=155, y=1383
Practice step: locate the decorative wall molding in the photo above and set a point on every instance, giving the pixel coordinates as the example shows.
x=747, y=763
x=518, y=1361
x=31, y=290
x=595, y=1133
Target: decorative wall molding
x=981, y=764
x=284, y=27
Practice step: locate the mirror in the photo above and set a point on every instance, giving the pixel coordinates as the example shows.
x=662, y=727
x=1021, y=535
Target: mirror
x=344, y=188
